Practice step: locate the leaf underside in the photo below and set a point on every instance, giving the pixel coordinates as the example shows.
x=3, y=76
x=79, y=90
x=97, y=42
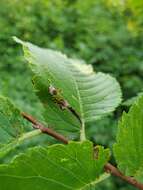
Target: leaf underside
x=128, y=149
x=91, y=95
x=60, y=167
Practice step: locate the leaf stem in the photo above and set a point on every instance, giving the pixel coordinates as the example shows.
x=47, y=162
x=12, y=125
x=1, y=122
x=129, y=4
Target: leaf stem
x=82, y=132
x=7, y=148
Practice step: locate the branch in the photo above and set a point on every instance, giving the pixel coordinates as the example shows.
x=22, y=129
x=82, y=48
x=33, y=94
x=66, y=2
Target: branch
x=109, y=168
x=46, y=130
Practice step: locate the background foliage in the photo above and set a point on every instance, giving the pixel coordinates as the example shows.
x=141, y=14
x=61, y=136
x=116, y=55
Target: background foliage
x=107, y=34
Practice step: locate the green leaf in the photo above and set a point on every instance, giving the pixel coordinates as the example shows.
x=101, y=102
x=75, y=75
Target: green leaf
x=129, y=147
x=59, y=167
x=91, y=95
x=13, y=128
x=10, y=121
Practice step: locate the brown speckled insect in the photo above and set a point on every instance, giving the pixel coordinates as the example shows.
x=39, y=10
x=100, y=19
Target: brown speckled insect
x=63, y=104
x=57, y=97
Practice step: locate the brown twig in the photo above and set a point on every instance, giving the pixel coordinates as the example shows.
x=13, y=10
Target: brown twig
x=47, y=130
x=109, y=168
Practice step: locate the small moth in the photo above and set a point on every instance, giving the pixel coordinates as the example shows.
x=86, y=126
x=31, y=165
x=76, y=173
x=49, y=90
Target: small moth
x=59, y=100
x=57, y=97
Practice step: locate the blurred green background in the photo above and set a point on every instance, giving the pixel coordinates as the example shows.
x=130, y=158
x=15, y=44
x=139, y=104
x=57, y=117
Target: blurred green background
x=105, y=33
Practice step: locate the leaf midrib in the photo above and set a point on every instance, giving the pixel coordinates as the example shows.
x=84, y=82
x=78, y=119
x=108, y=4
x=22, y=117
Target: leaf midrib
x=16, y=142
x=82, y=131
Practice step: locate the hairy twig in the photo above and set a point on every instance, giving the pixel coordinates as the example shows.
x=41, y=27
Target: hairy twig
x=46, y=130
x=109, y=168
